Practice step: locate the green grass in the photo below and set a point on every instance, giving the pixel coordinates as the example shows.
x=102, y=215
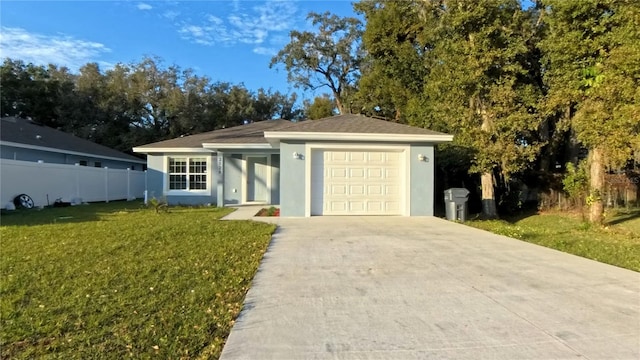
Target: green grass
x=625, y=220
x=617, y=243
x=118, y=280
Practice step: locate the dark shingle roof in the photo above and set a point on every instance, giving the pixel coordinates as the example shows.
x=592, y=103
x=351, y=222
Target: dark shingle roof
x=357, y=124
x=27, y=132
x=254, y=133
x=243, y=134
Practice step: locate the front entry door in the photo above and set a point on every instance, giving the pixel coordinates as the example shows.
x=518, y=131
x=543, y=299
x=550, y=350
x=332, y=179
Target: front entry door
x=257, y=179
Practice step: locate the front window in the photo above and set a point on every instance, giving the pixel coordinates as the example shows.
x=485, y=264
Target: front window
x=187, y=174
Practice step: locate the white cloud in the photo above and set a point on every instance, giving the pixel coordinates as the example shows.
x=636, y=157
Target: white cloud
x=63, y=50
x=256, y=26
x=170, y=14
x=197, y=34
x=265, y=51
x=214, y=19
x=144, y=6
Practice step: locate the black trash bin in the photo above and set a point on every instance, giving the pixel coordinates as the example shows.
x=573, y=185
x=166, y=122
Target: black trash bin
x=455, y=202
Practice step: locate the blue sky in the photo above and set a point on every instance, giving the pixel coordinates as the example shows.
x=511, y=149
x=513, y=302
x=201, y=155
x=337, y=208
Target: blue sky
x=229, y=41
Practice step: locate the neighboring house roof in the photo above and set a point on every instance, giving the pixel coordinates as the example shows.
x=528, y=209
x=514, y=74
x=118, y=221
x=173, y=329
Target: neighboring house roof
x=28, y=134
x=268, y=133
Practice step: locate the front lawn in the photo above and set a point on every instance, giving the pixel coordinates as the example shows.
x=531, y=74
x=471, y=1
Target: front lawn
x=118, y=280
x=618, y=243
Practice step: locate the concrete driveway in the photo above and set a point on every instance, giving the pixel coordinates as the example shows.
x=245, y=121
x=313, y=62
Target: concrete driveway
x=425, y=288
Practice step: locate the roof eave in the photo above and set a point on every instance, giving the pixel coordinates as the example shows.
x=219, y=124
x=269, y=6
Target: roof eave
x=152, y=150
x=274, y=137
x=247, y=146
x=63, y=151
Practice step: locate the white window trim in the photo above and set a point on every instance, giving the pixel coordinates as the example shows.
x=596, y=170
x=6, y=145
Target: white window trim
x=243, y=188
x=405, y=168
x=209, y=174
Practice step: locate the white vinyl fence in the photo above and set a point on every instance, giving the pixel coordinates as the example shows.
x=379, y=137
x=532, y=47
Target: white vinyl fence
x=45, y=183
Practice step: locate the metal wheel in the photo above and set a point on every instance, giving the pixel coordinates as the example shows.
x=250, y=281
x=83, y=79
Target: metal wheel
x=23, y=201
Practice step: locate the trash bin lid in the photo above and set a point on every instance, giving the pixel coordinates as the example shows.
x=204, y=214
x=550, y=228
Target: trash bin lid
x=457, y=193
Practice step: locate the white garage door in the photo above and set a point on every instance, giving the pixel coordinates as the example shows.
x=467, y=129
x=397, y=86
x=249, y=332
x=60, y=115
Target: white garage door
x=356, y=182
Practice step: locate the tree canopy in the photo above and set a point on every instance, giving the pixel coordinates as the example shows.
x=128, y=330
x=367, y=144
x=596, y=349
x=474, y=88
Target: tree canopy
x=321, y=107
x=329, y=57
x=133, y=104
x=592, y=61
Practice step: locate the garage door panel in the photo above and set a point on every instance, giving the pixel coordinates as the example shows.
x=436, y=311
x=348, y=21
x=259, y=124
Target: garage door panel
x=392, y=206
x=375, y=206
x=392, y=190
x=338, y=173
x=375, y=189
x=392, y=173
x=335, y=157
x=376, y=157
x=357, y=206
x=356, y=156
x=336, y=206
x=358, y=182
x=338, y=189
x=357, y=173
x=356, y=190
x=393, y=157
x=375, y=173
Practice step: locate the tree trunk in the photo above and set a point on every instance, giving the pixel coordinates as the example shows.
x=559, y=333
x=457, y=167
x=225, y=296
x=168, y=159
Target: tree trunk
x=489, y=210
x=339, y=104
x=547, y=151
x=596, y=209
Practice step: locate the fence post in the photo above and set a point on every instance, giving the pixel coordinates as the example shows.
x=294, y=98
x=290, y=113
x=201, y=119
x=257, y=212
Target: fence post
x=106, y=184
x=146, y=191
x=77, y=170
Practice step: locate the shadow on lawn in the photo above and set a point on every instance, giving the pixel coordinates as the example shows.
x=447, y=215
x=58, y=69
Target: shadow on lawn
x=524, y=213
x=511, y=218
x=65, y=215
x=632, y=214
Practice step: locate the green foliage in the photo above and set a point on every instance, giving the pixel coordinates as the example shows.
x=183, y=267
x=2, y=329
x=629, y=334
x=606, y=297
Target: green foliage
x=112, y=281
x=479, y=83
x=393, y=70
x=593, y=59
x=133, y=104
x=158, y=205
x=615, y=244
x=576, y=181
x=329, y=57
x=321, y=107
x=594, y=196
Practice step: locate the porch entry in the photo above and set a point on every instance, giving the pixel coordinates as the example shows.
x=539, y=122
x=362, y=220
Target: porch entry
x=257, y=179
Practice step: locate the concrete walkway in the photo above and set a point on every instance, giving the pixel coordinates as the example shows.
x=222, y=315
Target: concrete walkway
x=246, y=212
x=425, y=288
